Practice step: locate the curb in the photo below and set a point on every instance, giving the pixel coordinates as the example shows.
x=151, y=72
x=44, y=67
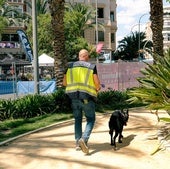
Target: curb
x=34, y=131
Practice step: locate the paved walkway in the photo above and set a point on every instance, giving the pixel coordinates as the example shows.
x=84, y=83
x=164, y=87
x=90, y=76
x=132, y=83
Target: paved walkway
x=53, y=147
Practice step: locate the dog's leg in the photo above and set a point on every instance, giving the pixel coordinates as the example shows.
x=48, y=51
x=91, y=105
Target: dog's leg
x=111, y=136
x=120, y=137
x=114, y=139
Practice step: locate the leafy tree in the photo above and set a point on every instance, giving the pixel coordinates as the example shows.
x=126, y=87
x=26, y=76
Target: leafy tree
x=76, y=20
x=2, y=2
x=73, y=42
x=11, y=14
x=127, y=48
x=45, y=36
x=41, y=5
x=3, y=22
x=156, y=17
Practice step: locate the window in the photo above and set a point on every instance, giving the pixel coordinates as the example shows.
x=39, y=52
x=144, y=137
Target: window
x=112, y=38
x=112, y=16
x=16, y=1
x=168, y=37
x=14, y=37
x=100, y=36
x=10, y=37
x=5, y=37
x=100, y=13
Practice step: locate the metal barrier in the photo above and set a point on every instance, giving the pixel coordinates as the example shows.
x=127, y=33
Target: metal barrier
x=117, y=76
x=120, y=75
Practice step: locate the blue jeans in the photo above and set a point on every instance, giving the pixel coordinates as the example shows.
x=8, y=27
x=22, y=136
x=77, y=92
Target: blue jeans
x=78, y=107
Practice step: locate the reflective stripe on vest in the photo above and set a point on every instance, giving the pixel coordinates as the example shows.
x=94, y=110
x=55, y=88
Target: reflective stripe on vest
x=80, y=78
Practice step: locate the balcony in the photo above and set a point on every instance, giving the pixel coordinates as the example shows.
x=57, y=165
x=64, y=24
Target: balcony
x=10, y=47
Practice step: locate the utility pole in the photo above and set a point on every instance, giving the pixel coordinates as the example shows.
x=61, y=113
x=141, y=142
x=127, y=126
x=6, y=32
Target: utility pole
x=35, y=48
x=139, y=34
x=97, y=38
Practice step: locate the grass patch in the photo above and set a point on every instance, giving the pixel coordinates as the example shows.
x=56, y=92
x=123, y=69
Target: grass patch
x=165, y=119
x=12, y=128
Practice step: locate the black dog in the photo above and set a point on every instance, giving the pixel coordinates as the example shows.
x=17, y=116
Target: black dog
x=118, y=119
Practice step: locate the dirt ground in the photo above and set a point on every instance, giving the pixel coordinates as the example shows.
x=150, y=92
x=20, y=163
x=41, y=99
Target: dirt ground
x=54, y=147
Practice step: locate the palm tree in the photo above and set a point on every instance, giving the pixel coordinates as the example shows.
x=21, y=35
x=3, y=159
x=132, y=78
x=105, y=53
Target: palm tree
x=127, y=48
x=57, y=20
x=77, y=17
x=156, y=12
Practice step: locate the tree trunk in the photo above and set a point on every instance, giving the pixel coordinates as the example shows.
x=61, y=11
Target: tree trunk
x=57, y=21
x=156, y=11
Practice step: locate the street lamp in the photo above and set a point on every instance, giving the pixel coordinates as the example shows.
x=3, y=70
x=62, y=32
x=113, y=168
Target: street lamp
x=131, y=30
x=139, y=34
x=97, y=38
x=35, y=47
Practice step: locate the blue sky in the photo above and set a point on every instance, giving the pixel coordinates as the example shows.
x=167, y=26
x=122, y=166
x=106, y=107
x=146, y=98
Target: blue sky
x=128, y=14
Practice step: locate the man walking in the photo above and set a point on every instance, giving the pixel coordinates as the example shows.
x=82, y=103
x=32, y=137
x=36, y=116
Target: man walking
x=82, y=84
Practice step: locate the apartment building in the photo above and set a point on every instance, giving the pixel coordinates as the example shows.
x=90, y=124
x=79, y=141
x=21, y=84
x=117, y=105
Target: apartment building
x=9, y=40
x=166, y=27
x=106, y=14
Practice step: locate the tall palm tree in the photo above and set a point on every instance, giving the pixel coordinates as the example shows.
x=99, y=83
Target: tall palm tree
x=127, y=49
x=156, y=12
x=57, y=20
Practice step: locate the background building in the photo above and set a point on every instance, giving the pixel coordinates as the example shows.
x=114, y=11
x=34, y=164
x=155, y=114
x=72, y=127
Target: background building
x=166, y=27
x=9, y=39
x=106, y=14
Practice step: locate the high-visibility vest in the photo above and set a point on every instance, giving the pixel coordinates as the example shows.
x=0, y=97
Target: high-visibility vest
x=79, y=78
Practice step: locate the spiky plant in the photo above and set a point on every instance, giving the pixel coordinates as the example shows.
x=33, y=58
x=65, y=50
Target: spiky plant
x=154, y=90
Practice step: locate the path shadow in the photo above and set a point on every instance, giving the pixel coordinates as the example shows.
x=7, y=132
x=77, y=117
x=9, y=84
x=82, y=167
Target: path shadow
x=126, y=141
x=106, y=146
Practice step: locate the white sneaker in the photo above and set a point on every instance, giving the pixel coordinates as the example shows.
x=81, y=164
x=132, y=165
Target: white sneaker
x=83, y=146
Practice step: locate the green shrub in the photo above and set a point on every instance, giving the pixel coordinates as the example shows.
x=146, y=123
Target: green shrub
x=7, y=109
x=57, y=102
x=62, y=101
x=111, y=99
x=33, y=105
